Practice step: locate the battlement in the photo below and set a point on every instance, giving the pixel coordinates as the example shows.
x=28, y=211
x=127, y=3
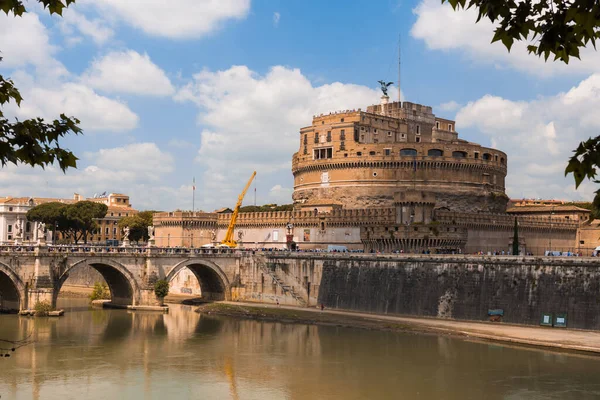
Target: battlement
x=504, y=221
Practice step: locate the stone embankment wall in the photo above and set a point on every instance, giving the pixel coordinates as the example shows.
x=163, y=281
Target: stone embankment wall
x=464, y=287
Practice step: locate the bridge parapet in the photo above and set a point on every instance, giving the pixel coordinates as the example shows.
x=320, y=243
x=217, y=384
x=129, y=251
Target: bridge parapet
x=94, y=250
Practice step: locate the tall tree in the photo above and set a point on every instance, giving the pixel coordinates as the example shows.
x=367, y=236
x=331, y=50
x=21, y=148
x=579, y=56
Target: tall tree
x=33, y=141
x=83, y=215
x=138, y=225
x=558, y=28
x=53, y=214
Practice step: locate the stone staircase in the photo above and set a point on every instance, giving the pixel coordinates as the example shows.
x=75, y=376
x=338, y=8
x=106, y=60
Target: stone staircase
x=286, y=289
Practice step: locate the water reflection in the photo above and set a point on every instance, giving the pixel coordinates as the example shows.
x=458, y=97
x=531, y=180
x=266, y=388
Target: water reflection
x=117, y=354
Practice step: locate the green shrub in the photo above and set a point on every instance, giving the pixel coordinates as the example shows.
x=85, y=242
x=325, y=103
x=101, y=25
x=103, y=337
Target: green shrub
x=100, y=292
x=42, y=308
x=161, y=288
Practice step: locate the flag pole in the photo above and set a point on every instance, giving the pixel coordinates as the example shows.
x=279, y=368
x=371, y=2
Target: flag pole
x=193, y=194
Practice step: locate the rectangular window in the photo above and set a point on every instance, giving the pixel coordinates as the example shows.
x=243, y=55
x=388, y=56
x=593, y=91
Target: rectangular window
x=437, y=124
x=305, y=139
x=342, y=145
x=418, y=139
x=389, y=134
x=316, y=138
x=325, y=152
x=275, y=236
x=305, y=150
x=476, y=155
x=342, y=134
x=450, y=127
x=418, y=129
x=329, y=136
x=388, y=152
x=106, y=231
x=356, y=135
x=9, y=228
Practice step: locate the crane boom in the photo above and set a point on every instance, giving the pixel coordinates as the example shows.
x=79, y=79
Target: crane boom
x=229, y=241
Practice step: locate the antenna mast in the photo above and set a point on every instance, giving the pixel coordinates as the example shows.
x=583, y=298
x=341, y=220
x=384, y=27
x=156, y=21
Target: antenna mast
x=399, y=66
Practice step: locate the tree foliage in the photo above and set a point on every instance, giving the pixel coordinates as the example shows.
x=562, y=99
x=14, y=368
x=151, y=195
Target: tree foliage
x=138, y=225
x=100, y=292
x=556, y=27
x=161, y=288
x=267, y=207
x=33, y=141
x=83, y=215
x=73, y=221
x=584, y=162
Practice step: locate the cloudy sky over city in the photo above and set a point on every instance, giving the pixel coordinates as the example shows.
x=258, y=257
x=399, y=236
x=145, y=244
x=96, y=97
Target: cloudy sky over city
x=214, y=89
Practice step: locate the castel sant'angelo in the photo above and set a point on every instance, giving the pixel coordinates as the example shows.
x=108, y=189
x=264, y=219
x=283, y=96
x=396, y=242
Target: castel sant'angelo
x=392, y=178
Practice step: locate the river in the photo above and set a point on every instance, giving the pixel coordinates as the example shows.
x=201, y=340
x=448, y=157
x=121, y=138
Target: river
x=116, y=354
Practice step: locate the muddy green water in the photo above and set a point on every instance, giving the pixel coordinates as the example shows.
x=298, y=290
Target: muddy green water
x=116, y=354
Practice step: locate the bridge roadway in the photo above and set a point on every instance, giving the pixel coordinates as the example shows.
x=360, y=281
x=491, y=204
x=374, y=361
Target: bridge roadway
x=29, y=274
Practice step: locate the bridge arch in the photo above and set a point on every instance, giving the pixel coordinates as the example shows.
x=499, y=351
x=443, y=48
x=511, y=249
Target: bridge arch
x=12, y=290
x=124, y=289
x=214, y=284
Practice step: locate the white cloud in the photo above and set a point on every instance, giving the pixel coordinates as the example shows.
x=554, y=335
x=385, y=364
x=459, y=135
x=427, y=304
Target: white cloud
x=179, y=144
x=442, y=28
x=449, y=106
x=145, y=160
x=128, y=72
x=97, y=29
x=539, y=137
x=136, y=169
x=24, y=40
x=95, y=112
x=276, y=18
x=176, y=19
x=252, y=122
x=280, y=195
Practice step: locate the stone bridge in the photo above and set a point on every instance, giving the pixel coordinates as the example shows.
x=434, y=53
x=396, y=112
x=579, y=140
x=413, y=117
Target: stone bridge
x=32, y=274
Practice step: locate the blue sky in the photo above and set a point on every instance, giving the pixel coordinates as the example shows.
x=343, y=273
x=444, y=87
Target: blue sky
x=214, y=89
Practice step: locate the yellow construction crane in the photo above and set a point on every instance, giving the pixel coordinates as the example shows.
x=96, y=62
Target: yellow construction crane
x=229, y=241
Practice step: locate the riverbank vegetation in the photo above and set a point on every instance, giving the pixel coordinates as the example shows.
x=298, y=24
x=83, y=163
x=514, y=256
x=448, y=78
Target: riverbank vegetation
x=290, y=315
x=100, y=292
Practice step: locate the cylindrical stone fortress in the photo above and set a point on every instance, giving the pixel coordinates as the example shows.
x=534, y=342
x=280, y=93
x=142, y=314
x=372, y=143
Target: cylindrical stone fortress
x=362, y=159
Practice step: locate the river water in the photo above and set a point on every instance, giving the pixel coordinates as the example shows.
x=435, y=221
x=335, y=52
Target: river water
x=116, y=354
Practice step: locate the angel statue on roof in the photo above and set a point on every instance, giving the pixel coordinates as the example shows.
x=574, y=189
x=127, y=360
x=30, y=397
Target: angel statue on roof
x=384, y=86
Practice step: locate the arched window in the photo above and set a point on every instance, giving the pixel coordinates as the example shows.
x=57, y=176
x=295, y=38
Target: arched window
x=408, y=152
x=501, y=160
x=487, y=156
x=435, y=153
x=459, y=154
